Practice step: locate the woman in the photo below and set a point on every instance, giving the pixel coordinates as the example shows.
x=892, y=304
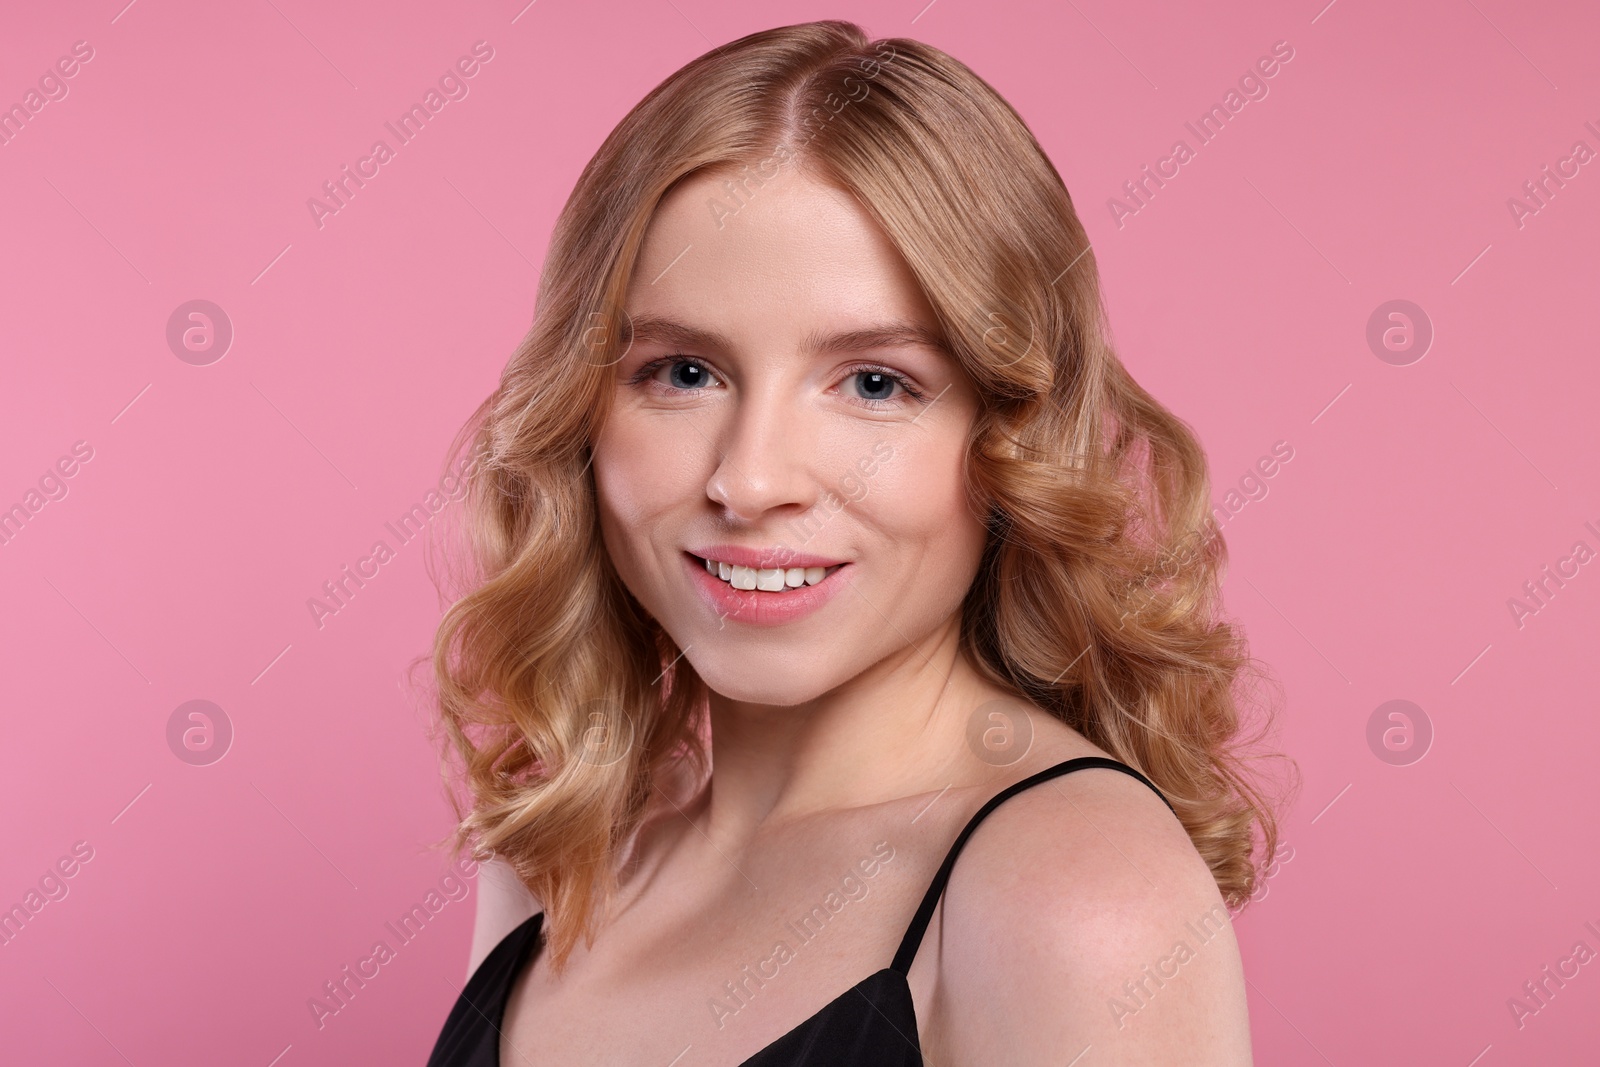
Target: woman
x=822, y=540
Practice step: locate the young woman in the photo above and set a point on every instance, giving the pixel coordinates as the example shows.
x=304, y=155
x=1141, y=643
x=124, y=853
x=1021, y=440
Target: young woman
x=840, y=682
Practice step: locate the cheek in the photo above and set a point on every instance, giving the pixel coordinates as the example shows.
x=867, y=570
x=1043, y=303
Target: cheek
x=918, y=498
x=645, y=469
x=626, y=500
x=642, y=468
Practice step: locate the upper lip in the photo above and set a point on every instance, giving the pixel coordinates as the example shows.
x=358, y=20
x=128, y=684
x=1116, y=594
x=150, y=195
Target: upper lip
x=762, y=558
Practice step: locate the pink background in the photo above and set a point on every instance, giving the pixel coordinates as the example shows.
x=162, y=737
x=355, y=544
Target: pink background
x=178, y=566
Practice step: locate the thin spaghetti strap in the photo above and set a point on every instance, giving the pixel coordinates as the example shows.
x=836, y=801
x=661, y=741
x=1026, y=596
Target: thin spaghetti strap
x=919, y=922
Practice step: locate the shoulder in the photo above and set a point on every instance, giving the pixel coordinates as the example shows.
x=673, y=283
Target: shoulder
x=1079, y=913
x=503, y=905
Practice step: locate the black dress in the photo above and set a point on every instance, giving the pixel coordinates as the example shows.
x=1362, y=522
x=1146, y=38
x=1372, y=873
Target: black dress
x=871, y=1024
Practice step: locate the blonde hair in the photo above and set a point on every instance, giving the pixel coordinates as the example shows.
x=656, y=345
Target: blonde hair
x=1098, y=593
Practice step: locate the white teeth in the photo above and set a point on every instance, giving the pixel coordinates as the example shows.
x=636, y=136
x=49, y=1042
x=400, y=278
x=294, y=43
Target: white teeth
x=772, y=580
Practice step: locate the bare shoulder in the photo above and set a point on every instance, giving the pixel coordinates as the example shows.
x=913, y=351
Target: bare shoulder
x=503, y=904
x=1079, y=914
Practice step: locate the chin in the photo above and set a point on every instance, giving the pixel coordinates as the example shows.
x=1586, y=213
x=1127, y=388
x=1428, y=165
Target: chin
x=755, y=683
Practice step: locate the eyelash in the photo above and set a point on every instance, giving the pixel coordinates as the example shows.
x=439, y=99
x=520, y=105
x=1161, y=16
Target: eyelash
x=647, y=371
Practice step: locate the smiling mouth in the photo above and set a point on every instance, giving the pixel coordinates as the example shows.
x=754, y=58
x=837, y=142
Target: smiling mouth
x=766, y=579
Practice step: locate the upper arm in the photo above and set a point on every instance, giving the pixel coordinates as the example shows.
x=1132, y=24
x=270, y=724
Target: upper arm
x=504, y=903
x=1084, y=917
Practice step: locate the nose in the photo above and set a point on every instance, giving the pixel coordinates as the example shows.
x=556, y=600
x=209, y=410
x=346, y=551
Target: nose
x=767, y=461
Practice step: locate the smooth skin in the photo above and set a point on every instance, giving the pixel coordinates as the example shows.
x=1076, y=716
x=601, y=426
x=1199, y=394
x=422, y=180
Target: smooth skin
x=842, y=735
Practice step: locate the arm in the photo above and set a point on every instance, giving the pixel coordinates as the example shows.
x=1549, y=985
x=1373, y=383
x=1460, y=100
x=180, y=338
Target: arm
x=503, y=903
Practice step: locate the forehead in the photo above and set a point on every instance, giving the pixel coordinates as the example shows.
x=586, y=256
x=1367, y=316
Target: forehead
x=790, y=251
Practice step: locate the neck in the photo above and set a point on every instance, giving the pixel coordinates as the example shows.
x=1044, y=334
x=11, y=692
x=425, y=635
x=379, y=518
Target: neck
x=896, y=730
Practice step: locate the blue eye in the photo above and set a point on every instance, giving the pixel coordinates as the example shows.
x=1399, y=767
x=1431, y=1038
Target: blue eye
x=877, y=385
x=686, y=374
x=692, y=376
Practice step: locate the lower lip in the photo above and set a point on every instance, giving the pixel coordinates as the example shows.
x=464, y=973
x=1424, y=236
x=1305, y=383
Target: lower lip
x=757, y=607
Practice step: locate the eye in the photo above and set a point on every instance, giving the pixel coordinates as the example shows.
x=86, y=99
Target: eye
x=683, y=373
x=876, y=386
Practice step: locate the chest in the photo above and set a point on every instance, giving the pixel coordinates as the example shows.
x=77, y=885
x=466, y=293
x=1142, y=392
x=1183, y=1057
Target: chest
x=709, y=967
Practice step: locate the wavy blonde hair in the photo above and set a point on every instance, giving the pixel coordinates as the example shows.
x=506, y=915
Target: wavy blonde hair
x=1098, y=594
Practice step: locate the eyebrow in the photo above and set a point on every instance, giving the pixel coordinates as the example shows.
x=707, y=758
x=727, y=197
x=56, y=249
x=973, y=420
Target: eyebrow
x=655, y=329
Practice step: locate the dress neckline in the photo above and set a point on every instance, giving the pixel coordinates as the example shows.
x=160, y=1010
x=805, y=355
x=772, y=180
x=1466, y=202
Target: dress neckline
x=528, y=954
